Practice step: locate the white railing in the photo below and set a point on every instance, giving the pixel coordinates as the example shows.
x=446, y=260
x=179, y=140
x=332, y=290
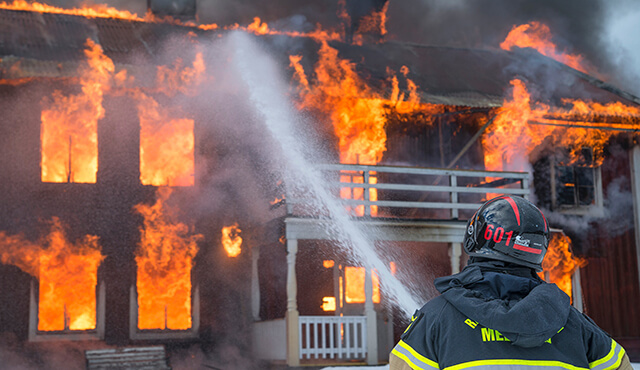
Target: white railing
x=414, y=187
x=333, y=337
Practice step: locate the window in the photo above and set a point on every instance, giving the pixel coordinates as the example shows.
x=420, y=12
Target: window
x=576, y=189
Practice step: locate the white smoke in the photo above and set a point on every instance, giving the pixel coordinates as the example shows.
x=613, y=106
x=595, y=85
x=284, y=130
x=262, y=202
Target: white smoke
x=622, y=30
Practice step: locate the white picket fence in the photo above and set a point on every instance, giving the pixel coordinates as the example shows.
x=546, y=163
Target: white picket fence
x=333, y=337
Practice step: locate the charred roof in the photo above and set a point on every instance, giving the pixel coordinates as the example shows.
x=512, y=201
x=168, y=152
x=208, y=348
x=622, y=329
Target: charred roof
x=34, y=44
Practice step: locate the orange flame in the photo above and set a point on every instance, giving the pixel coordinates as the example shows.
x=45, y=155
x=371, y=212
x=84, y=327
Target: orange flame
x=67, y=274
x=521, y=125
x=357, y=112
x=328, y=264
x=90, y=11
x=69, y=130
x=174, y=79
x=231, y=240
x=258, y=27
x=354, y=280
x=165, y=259
x=374, y=23
x=538, y=36
x=328, y=303
x=166, y=143
x=560, y=264
x=98, y=11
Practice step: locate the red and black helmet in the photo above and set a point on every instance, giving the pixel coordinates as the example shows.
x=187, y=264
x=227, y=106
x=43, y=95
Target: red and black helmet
x=509, y=229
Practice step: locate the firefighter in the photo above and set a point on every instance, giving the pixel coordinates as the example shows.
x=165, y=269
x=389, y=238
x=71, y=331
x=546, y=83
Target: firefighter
x=497, y=313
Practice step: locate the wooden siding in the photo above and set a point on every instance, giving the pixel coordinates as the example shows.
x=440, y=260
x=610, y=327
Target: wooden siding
x=610, y=280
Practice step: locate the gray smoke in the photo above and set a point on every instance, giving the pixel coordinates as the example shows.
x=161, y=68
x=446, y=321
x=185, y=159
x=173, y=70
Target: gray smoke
x=604, y=32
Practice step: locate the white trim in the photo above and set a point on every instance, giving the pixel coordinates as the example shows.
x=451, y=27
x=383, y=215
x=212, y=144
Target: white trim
x=36, y=335
x=635, y=190
x=163, y=334
x=595, y=209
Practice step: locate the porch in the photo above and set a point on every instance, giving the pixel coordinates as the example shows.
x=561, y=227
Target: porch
x=404, y=204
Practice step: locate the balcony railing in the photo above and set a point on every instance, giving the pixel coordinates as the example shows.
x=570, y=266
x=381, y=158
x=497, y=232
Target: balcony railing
x=410, y=191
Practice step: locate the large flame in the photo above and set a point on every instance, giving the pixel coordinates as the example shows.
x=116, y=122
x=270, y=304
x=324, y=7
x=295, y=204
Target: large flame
x=167, y=143
x=537, y=35
x=559, y=263
x=165, y=259
x=521, y=125
x=69, y=130
x=67, y=273
x=231, y=240
x=357, y=112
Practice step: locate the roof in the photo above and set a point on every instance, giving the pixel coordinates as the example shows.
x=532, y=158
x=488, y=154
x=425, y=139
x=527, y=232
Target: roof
x=51, y=45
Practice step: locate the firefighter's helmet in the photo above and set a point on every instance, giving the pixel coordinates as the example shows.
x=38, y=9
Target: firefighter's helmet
x=509, y=229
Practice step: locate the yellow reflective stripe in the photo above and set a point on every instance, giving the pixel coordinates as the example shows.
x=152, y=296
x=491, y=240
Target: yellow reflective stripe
x=496, y=362
x=413, y=318
x=412, y=358
x=614, y=346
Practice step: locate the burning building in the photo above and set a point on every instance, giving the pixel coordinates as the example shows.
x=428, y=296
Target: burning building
x=125, y=223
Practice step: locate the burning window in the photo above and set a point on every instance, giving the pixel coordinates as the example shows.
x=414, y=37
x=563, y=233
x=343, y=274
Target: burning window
x=350, y=286
x=354, y=285
x=69, y=131
x=67, y=275
x=165, y=260
x=166, y=146
x=167, y=142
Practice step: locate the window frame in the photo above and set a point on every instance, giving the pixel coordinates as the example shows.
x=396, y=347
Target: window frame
x=576, y=209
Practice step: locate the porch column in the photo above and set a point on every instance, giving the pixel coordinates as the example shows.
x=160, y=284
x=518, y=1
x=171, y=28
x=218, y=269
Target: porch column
x=372, y=320
x=635, y=189
x=455, y=252
x=292, y=315
x=255, y=283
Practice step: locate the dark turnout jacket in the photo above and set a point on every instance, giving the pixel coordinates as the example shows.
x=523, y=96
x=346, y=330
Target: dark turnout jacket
x=498, y=316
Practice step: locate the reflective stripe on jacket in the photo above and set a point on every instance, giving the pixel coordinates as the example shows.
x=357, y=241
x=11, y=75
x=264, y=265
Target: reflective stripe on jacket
x=530, y=336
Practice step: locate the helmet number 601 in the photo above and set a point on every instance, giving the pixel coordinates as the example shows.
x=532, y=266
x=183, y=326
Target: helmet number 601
x=498, y=234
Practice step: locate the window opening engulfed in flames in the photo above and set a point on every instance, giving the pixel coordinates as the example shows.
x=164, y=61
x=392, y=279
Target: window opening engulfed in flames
x=350, y=286
x=69, y=131
x=166, y=146
x=65, y=279
x=164, y=261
